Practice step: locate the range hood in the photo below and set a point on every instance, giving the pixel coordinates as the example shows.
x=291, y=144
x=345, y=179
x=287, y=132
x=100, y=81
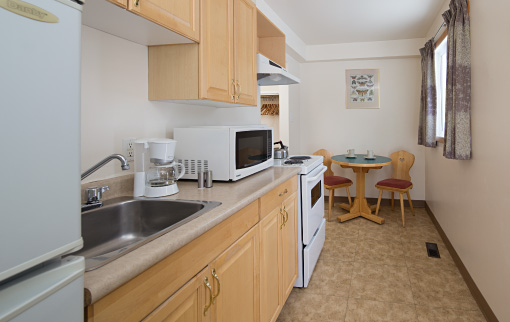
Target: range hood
x=270, y=73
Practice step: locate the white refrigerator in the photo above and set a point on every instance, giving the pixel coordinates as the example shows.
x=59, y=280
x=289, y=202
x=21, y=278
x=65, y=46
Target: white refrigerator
x=40, y=161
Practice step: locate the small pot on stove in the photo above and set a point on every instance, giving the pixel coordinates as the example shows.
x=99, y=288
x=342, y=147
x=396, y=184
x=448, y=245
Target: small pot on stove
x=282, y=152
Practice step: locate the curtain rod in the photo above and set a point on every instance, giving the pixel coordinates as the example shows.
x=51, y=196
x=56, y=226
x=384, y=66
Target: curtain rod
x=440, y=27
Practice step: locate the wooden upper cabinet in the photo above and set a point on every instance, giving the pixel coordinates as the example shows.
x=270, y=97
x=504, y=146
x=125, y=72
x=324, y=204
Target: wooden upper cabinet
x=120, y=3
x=181, y=16
x=228, y=51
x=245, y=50
x=219, y=71
x=216, y=51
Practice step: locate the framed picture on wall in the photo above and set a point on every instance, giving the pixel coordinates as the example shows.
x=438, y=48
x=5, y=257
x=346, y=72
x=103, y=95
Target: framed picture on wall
x=362, y=88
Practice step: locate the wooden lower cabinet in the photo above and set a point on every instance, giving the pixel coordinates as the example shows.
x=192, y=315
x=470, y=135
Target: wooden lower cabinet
x=236, y=281
x=278, y=257
x=243, y=269
x=271, y=300
x=289, y=246
x=187, y=305
x=227, y=290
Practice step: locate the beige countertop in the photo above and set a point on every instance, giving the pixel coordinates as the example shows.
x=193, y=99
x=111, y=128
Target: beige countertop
x=233, y=196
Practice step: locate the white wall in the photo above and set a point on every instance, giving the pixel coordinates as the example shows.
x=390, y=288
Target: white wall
x=115, y=104
x=272, y=120
x=326, y=123
x=470, y=198
x=292, y=94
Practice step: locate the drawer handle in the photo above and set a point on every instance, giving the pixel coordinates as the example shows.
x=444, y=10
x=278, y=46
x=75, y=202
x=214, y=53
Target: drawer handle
x=207, y=306
x=218, y=279
x=286, y=216
x=284, y=192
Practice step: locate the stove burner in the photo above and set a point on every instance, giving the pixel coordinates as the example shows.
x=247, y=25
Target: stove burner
x=300, y=157
x=293, y=162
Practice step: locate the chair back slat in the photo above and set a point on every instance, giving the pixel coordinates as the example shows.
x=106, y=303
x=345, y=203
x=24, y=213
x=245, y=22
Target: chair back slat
x=327, y=161
x=402, y=161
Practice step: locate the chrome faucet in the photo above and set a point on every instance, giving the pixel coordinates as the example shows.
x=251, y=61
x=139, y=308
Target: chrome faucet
x=94, y=194
x=94, y=168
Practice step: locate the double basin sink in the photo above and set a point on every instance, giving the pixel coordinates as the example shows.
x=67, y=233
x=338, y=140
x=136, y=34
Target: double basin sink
x=125, y=224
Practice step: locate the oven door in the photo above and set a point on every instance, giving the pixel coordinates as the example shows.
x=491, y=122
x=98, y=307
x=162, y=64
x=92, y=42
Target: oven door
x=312, y=206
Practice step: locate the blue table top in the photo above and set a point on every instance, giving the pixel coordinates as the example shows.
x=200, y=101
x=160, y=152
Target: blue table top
x=360, y=159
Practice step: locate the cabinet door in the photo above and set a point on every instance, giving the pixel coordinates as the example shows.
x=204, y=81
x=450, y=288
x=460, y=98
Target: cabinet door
x=216, y=51
x=270, y=266
x=289, y=246
x=245, y=51
x=236, y=287
x=180, y=16
x=188, y=304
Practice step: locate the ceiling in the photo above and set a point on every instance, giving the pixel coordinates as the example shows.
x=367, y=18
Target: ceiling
x=345, y=21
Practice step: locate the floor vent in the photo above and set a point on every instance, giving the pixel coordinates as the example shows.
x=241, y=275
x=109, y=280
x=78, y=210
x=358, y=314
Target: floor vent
x=432, y=250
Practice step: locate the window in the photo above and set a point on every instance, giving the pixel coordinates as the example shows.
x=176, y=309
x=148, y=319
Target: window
x=440, y=58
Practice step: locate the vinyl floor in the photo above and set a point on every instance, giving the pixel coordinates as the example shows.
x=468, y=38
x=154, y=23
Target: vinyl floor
x=371, y=272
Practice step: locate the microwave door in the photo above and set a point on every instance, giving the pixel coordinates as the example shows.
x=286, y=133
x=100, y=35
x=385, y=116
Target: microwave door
x=251, y=148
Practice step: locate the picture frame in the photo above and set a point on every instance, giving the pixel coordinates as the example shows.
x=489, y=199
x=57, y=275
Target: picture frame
x=362, y=88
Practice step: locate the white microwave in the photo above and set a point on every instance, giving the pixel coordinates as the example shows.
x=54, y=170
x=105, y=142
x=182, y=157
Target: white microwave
x=231, y=152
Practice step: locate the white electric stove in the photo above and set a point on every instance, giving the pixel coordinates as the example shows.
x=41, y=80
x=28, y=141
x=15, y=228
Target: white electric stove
x=311, y=222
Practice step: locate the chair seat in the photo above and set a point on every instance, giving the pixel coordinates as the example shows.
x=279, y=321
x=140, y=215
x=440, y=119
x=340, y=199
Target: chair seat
x=395, y=183
x=335, y=180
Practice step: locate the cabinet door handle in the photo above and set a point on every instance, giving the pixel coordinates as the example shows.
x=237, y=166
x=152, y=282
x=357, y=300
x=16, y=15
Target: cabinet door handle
x=284, y=192
x=207, y=306
x=234, y=95
x=286, y=215
x=283, y=219
x=137, y=2
x=238, y=91
x=219, y=285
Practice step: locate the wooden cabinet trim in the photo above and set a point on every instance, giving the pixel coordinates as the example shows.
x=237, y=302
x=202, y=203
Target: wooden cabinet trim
x=141, y=295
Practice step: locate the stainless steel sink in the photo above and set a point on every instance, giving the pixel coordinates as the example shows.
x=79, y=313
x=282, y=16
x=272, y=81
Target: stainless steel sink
x=123, y=224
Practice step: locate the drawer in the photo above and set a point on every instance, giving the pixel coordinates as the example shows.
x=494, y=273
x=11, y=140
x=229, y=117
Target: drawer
x=277, y=196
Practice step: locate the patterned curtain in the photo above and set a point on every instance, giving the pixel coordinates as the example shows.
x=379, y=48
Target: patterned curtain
x=428, y=103
x=457, y=137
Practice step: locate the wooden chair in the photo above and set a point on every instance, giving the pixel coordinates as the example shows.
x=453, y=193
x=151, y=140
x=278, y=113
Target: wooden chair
x=332, y=182
x=400, y=181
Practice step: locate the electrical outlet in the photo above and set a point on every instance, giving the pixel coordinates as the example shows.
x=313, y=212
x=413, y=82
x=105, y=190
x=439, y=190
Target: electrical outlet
x=128, y=149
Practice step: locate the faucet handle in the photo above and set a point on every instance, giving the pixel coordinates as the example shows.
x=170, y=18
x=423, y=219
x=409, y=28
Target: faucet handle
x=94, y=194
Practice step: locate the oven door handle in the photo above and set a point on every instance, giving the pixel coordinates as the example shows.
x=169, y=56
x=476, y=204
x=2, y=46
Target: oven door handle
x=324, y=168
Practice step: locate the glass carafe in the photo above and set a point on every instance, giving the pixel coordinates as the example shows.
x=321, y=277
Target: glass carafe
x=164, y=175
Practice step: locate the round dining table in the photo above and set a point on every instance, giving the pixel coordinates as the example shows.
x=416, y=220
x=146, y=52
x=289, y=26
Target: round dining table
x=360, y=165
